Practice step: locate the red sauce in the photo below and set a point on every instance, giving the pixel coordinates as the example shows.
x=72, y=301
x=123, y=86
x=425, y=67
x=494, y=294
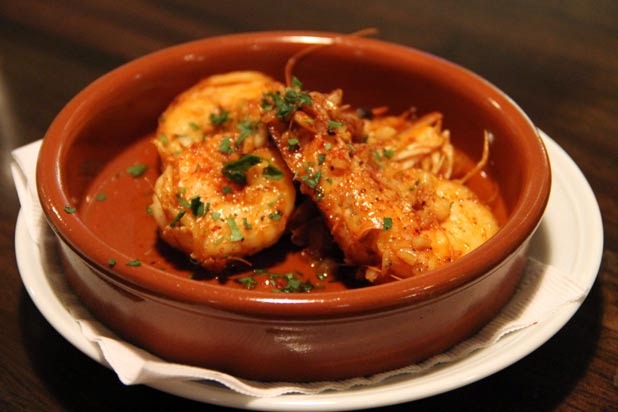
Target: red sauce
x=116, y=208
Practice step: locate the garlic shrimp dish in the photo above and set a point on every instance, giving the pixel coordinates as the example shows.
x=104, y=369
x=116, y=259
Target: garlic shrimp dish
x=270, y=186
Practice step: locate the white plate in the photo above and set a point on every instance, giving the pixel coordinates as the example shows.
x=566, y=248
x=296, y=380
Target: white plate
x=570, y=238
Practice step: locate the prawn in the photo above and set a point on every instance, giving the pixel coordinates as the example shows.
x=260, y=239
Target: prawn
x=394, y=222
x=220, y=103
x=224, y=192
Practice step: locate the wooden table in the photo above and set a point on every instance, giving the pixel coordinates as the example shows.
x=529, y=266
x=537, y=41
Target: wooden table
x=558, y=60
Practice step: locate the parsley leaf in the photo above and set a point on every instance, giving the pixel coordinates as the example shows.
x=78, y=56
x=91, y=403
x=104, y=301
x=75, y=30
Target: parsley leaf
x=218, y=119
x=197, y=206
x=387, y=223
x=236, y=233
x=134, y=263
x=235, y=171
x=176, y=219
x=246, y=129
x=312, y=179
x=331, y=124
x=247, y=281
x=286, y=103
x=271, y=172
x=226, y=145
x=137, y=169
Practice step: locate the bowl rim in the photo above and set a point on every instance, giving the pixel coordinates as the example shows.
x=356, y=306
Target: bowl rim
x=150, y=281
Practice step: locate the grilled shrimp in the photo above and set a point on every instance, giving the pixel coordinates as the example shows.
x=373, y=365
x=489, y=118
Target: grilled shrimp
x=220, y=103
x=394, y=222
x=420, y=143
x=224, y=193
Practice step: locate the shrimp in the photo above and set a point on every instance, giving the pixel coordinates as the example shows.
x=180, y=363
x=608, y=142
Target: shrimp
x=420, y=143
x=220, y=103
x=224, y=192
x=394, y=222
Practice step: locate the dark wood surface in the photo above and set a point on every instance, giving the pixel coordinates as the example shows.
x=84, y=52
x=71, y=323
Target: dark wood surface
x=557, y=59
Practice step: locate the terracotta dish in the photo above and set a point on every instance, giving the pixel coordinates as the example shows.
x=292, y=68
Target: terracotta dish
x=291, y=337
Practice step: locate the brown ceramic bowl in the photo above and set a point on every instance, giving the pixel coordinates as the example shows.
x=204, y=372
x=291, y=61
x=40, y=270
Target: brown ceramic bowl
x=292, y=337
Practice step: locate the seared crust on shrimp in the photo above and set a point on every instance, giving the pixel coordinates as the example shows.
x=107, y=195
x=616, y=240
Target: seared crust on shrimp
x=224, y=193
x=215, y=220
x=394, y=222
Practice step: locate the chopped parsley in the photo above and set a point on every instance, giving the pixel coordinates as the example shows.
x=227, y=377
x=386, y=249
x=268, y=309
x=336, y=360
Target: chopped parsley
x=226, y=190
x=236, y=233
x=276, y=216
x=321, y=158
x=218, y=119
x=111, y=263
x=176, y=219
x=387, y=223
x=101, y=197
x=388, y=153
x=248, y=282
x=235, y=171
x=182, y=201
x=69, y=209
x=332, y=125
x=312, y=179
x=226, y=145
x=246, y=129
x=246, y=224
x=198, y=208
x=286, y=103
x=273, y=173
x=137, y=169
x=194, y=126
x=134, y=263
x=293, y=143
x=290, y=283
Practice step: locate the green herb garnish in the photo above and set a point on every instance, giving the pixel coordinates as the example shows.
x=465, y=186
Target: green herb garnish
x=69, y=209
x=332, y=125
x=137, y=169
x=226, y=145
x=247, y=281
x=293, y=143
x=292, y=99
x=246, y=129
x=235, y=171
x=387, y=223
x=236, y=233
x=218, y=119
x=134, y=263
x=388, y=153
x=312, y=179
x=273, y=173
x=177, y=218
x=197, y=206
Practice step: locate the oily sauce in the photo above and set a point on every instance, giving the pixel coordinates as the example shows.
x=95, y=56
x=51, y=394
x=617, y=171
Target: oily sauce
x=116, y=208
